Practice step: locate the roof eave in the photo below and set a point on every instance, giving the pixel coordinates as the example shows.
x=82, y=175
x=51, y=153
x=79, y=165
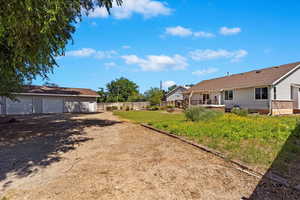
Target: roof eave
x=286, y=75
x=61, y=95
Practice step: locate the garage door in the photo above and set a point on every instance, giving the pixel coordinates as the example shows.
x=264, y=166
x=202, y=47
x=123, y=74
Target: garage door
x=21, y=107
x=71, y=106
x=52, y=105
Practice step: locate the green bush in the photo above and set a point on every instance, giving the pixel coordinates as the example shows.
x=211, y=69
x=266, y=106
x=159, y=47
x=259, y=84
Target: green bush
x=201, y=114
x=240, y=111
x=153, y=108
x=111, y=108
x=170, y=108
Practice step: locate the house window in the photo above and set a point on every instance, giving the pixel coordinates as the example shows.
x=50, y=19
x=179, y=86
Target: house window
x=229, y=95
x=261, y=93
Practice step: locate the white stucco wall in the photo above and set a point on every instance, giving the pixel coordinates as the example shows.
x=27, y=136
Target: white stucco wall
x=22, y=106
x=47, y=104
x=245, y=98
x=284, y=87
x=80, y=104
x=53, y=104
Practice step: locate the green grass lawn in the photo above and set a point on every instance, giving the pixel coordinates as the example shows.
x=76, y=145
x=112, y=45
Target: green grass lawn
x=257, y=140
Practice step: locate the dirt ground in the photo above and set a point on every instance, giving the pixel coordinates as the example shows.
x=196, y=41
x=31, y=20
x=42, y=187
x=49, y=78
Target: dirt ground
x=96, y=156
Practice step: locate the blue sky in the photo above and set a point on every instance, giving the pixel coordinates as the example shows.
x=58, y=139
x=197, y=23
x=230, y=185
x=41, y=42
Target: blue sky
x=179, y=41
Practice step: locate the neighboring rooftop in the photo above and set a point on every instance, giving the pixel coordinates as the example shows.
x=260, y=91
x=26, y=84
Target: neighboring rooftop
x=260, y=77
x=176, y=88
x=58, y=90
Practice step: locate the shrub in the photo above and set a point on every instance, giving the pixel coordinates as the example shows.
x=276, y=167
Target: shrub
x=201, y=114
x=163, y=108
x=153, y=108
x=240, y=111
x=127, y=108
x=109, y=108
x=170, y=108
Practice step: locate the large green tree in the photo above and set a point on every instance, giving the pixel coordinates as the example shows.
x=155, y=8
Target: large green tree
x=33, y=33
x=154, y=96
x=121, y=90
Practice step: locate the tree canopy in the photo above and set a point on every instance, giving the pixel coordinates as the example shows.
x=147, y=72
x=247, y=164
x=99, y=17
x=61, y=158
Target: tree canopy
x=154, y=96
x=33, y=33
x=120, y=90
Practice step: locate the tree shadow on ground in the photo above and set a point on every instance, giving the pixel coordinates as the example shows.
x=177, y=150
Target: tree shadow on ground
x=284, y=171
x=38, y=141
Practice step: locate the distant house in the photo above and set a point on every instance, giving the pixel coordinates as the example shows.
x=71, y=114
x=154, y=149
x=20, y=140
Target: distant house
x=44, y=99
x=274, y=90
x=175, y=97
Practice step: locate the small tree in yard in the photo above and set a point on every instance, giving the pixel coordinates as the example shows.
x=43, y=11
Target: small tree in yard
x=154, y=96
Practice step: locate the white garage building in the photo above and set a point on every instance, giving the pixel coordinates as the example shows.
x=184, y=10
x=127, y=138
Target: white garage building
x=44, y=99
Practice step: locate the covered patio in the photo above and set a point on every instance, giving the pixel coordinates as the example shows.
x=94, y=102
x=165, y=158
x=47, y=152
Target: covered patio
x=204, y=98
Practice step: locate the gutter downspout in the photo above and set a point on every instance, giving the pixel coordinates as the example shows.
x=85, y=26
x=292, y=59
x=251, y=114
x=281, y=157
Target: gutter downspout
x=190, y=96
x=270, y=100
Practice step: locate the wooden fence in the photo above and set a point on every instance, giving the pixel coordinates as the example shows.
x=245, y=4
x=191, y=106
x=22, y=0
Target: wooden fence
x=122, y=106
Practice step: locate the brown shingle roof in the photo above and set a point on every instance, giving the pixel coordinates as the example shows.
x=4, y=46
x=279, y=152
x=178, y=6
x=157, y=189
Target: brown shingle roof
x=58, y=90
x=261, y=77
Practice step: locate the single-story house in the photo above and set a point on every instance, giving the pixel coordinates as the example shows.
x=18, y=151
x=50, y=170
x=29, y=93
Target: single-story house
x=44, y=99
x=175, y=97
x=274, y=90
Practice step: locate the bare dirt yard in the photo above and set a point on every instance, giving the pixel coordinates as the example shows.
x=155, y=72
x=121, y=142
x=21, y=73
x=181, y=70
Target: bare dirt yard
x=97, y=156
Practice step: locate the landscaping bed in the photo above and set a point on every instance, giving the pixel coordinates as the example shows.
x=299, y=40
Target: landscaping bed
x=260, y=141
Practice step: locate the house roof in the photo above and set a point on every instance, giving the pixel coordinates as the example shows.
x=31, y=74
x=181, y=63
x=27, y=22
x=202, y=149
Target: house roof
x=175, y=89
x=47, y=90
x=261, y=77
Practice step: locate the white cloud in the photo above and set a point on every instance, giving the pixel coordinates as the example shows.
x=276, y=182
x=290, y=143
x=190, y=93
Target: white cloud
x=147, y=8
x=209, y=54
x=179, y=31
x=110, y=64
x=230, y=31
x=126, y=47
x=84, y=52
x=204, y=34
x=99, y=13
x=157, y=62
x=167, y=84
x=89, y=52
x=105, y=54
x=205, y=71
x=184, y=32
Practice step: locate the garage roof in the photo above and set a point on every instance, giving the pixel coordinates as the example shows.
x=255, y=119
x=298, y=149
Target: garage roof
x=47, y=90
